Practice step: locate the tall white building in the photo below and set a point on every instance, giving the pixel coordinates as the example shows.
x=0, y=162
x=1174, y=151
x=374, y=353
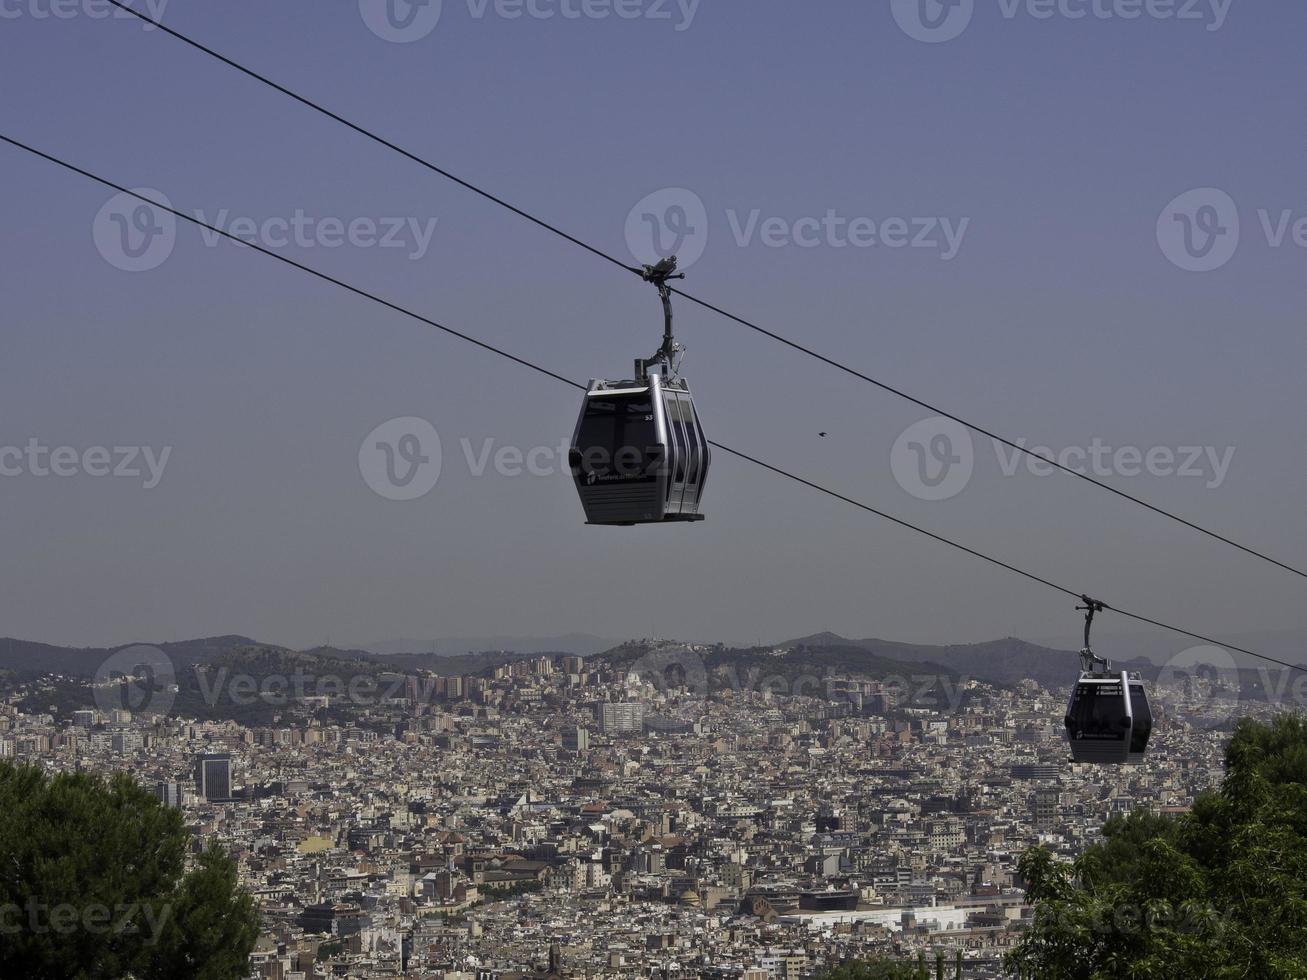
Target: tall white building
x=621, y=717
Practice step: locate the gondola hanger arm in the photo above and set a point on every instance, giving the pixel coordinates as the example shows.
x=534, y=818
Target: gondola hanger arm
x=1088, y=659
x=660, y=275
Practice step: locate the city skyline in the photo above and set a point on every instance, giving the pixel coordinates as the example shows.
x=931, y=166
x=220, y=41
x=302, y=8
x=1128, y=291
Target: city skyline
x=592, y=810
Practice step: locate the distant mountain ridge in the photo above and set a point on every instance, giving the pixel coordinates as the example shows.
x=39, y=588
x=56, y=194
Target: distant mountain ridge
x=27, y=657
x=1006, y=661
x=800, y=668
x=581, y=644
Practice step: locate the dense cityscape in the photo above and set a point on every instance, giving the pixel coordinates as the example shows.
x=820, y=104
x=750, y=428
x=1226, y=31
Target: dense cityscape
x=653, y=490
x=634, y=814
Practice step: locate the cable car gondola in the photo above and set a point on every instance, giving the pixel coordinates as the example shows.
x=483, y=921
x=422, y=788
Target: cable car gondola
x=638, y=454
x=1108, y=718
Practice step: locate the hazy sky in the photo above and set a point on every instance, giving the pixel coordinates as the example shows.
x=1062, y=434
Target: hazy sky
x=1043, y=147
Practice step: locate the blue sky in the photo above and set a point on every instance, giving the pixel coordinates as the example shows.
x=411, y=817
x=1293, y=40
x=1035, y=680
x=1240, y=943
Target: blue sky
x=1054, y=147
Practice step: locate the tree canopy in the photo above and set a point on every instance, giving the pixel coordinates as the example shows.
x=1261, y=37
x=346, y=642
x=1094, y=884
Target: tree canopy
x=874, y=970
x=1215, y=894
x=94, y=884
x=884, y=968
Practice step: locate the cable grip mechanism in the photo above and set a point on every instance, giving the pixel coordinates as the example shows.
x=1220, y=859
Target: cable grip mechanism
x=668, y=355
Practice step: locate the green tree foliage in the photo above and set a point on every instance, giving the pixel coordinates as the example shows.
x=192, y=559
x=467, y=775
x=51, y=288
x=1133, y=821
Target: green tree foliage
x=888, y=969
x=94, y=884
x=875, y=970
x=1217, y=894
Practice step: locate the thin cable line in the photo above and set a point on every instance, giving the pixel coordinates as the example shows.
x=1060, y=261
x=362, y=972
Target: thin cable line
x=1206, y=639
x=574, y=384
x=981, y=430
x=794, y=345
x=336, y=117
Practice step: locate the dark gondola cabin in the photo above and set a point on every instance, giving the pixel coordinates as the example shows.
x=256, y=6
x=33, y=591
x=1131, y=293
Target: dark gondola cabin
x=638, y=454
x=1108, y=719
